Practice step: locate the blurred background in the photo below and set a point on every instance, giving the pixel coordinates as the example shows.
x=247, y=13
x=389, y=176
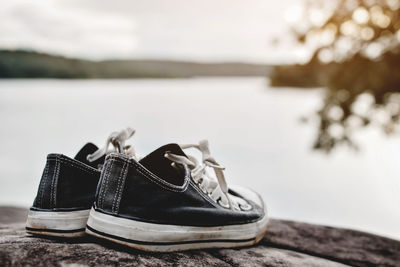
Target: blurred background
x=299, y=99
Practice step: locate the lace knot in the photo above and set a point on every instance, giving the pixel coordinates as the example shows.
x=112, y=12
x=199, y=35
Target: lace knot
x=117, y=139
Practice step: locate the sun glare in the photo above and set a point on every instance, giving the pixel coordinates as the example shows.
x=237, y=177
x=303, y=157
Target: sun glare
x=349, y=28
x=361, y=15
x=379, y=18
x=367, y=33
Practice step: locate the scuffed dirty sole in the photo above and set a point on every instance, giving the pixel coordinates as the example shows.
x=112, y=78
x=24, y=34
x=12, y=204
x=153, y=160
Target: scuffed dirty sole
x=57, y=223
x=166, y=238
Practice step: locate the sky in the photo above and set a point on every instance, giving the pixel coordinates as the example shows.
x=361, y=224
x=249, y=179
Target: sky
x=207, y=30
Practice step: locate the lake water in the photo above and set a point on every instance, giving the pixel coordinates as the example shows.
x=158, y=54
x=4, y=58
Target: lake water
x=253, y=130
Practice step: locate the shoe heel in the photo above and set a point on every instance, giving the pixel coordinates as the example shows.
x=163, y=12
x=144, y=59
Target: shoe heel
x=57, y=223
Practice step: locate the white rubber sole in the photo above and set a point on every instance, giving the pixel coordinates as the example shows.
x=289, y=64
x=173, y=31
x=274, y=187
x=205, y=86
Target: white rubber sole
x=57, y=223
x=166, y=238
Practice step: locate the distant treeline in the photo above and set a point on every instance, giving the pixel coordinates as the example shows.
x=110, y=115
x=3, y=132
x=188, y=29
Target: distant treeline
x=28, y=64
x=359, y=74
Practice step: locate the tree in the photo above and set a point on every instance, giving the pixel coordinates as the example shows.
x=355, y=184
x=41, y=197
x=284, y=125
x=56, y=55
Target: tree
x=356, y=56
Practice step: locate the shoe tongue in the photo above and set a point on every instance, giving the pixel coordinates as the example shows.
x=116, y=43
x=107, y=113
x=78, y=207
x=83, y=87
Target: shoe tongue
x=158, y=164
x=87, y=149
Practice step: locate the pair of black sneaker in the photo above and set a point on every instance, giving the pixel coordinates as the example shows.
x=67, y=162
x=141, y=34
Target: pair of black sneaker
x=166, y=201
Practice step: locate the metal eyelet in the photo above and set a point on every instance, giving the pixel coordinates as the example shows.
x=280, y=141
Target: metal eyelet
x=222, y=205
x=245, y=207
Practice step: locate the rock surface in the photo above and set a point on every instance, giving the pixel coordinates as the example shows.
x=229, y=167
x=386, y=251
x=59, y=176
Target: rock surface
x=286, y=244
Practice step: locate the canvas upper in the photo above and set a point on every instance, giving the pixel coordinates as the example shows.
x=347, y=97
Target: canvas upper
x=68, y=183
x=157, y=190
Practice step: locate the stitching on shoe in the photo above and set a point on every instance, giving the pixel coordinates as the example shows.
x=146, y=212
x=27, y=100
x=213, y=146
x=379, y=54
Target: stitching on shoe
x=43, y=183
x=153, y=177
x=53, y=183
x=104, y=185
x=157, y=182
x=118, y=185
x=125, y=173
x=203, y=195
x=150, y=176
x=102, y=181
x=56, y=182
x=115, y=194
x=73, y=163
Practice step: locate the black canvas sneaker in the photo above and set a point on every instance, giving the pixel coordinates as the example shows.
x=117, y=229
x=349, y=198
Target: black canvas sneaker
x=67, y=189
x=167, y=202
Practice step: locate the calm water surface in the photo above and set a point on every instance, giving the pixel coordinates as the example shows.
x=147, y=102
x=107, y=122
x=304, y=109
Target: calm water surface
x=253, y=130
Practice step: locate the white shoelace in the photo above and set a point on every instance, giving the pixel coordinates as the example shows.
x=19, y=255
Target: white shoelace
x=117, y=139
x=217, y=189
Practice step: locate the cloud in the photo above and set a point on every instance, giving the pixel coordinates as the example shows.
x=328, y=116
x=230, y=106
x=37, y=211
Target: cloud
x=45, y=26
x=180, y=29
